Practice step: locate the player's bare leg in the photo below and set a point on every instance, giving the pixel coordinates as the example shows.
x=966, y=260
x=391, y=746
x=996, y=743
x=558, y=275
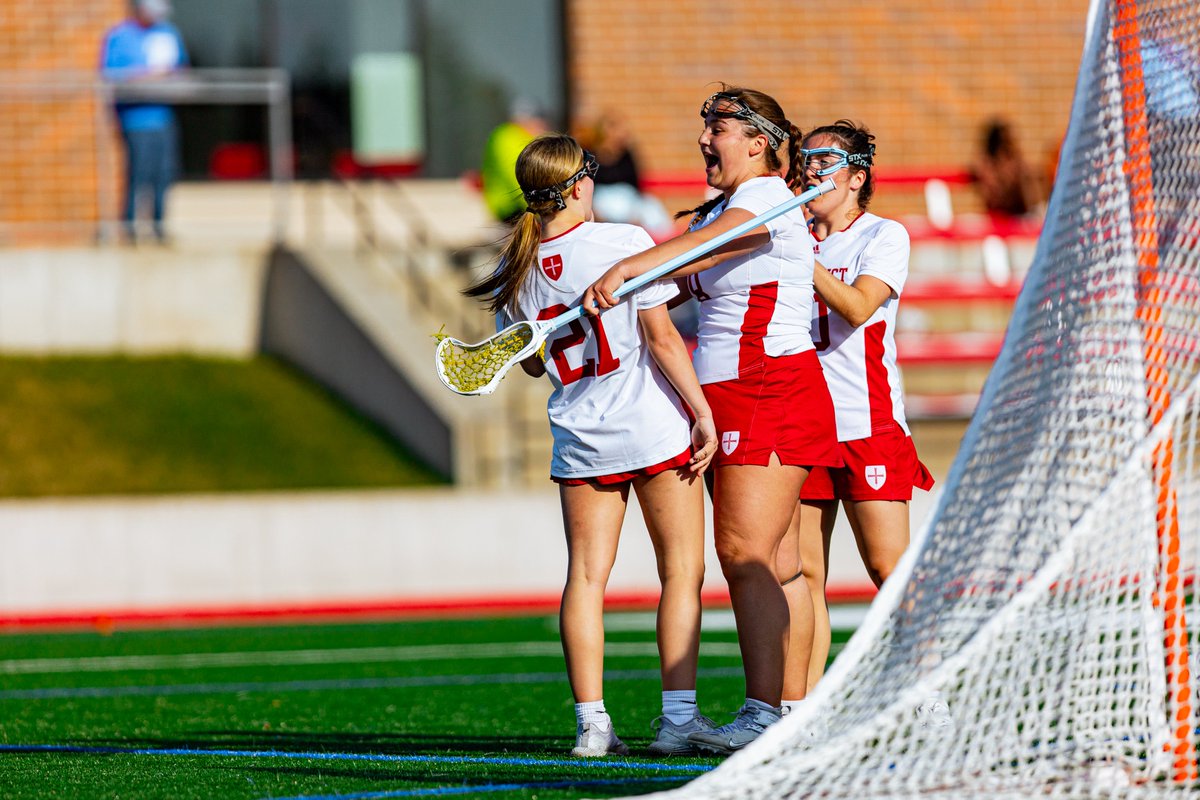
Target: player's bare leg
x=881, y=530
x=788, y=570
x=592, y=517
x=813, y=529
x=672, y=504
x=753, y=508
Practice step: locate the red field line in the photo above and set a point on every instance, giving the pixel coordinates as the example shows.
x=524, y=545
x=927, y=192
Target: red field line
x=106, y=620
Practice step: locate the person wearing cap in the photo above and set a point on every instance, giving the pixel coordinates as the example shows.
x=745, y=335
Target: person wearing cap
x=756, y=363
x=144, y=47
x=501, y=192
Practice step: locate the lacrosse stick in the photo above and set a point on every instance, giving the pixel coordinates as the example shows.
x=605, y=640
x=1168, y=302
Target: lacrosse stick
x=475, y=369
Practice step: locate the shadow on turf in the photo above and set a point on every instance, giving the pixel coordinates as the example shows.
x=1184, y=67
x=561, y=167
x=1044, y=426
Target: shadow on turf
x=386, y=743
x=418, y=775
x=487, y=776
x=416, y=744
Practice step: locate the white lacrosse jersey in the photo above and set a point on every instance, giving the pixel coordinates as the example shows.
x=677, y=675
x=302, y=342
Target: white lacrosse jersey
x=860, y=363
x=759, y=304
x=612, y=409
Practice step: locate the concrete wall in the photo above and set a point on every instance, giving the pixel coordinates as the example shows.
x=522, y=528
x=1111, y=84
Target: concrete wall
x=102, y=556
x=137, y=302
x=307, y=326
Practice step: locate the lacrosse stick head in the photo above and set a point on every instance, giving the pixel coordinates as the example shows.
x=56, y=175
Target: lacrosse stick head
x=476, y=369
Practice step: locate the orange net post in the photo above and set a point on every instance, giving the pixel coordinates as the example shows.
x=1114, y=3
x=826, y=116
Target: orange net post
x=1151, y=296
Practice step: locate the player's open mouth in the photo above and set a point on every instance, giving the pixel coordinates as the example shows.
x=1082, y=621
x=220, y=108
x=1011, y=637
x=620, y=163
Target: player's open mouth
x=710, y=161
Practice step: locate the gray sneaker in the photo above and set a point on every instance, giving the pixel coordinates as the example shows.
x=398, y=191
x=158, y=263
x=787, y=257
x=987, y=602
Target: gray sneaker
x=672, y=739
x=593, y=741
x=744, y=729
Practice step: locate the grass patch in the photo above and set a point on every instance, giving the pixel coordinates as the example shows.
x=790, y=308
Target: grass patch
x=114, y=425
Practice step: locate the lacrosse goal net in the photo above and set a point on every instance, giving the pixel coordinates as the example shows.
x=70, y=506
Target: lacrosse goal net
x=1051, y=598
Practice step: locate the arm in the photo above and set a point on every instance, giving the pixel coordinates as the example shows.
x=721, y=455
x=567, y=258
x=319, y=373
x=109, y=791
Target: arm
x=854, y=302
x=600, y=295
x=533, y=366
x=666, y=345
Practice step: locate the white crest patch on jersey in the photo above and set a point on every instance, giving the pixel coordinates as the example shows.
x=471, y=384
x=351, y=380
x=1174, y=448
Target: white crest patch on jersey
x=876, y=475
x=729, y=441
x=552, y=266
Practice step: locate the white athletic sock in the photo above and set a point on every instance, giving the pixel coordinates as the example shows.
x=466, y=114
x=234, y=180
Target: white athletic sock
x=594, y=713
x=759, y=704
x=791, y=705
x=679, y=705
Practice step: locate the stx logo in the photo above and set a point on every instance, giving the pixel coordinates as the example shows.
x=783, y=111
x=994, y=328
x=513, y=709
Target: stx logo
x=729, y=441
x=552, y=266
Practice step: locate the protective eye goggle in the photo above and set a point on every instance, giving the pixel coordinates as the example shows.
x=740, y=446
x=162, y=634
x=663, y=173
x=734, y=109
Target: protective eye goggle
x=589, y=169
x=828, y=160
x=735, y=108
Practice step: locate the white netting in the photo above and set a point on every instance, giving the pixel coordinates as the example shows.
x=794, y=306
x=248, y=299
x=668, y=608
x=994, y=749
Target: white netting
x=1041, y=600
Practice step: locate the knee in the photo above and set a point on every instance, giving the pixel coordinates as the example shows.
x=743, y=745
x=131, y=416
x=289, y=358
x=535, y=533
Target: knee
x=582, y=577
x=739, y=556
x=880, y=569
x=681, y=574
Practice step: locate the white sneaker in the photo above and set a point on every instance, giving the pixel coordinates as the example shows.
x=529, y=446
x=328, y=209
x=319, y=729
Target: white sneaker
x=814, y=733
x=593, y=741
x=672, y=739
x=934, y=714
x=745, y=728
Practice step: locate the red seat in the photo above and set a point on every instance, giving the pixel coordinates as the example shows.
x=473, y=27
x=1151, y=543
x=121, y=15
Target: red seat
x=346, y=166
x=234, y=161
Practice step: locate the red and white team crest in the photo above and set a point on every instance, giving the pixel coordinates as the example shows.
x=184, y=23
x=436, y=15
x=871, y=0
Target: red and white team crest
x=552, y=266
x=876, y=475
x=729, y=441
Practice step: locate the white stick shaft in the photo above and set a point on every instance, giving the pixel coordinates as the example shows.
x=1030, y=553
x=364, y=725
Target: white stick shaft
x=634, y=284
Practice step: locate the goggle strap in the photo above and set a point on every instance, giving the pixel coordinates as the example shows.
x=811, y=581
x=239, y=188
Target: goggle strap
x=775, y=134
x=555, y=192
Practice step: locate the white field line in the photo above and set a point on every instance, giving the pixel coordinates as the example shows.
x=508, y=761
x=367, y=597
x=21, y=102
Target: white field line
x=350, y=655
x=842, y=617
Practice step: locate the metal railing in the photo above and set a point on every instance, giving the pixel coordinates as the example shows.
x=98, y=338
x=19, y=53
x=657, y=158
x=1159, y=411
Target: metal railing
x=270, y=88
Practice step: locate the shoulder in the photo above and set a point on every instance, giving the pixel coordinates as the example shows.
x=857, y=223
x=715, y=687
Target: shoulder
x=768, y=187
x=883, y=229
x=617, y=233
x=122, y=30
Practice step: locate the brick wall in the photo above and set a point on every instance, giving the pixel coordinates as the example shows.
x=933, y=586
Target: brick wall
x=58, y=162
x=924, y=75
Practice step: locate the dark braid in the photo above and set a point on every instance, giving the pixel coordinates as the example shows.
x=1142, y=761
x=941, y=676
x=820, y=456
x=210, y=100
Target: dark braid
x=795, y=164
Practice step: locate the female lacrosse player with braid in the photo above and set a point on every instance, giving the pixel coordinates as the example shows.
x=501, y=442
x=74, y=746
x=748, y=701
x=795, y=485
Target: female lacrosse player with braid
x=623, y=390
x=756, y=363
x=862, y=265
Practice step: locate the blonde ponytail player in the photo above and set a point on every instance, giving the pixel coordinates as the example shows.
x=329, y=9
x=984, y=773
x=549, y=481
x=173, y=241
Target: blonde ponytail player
x=623, y=392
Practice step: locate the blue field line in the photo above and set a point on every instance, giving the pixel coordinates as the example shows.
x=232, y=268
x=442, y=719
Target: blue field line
x=478, y=789
x=338, y=684
x=575, y=763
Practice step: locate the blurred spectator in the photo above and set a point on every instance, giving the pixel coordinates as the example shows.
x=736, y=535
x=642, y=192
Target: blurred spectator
x=619, y=196
x=1172, y=78
x=1005, y=182
x=498, y=173
x=146, y=47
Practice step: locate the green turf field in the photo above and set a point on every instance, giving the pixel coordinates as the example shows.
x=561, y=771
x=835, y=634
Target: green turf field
x=425, y=708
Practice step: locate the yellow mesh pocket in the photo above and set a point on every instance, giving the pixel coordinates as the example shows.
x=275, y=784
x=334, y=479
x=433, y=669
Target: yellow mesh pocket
x=468, y=368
